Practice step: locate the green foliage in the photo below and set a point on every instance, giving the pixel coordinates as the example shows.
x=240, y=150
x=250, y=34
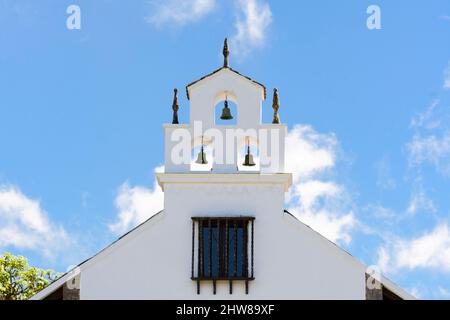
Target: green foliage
x=19, y=281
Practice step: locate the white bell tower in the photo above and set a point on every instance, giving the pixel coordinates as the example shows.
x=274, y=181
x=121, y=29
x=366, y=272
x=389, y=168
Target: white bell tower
x=225, y=145
x=228, y=179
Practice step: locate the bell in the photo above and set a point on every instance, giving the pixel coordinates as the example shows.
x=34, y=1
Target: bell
x=226, y=112
x=201, y=158
x=248, y=159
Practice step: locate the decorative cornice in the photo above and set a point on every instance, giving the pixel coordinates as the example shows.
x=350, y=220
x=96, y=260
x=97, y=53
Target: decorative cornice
x=284, y=179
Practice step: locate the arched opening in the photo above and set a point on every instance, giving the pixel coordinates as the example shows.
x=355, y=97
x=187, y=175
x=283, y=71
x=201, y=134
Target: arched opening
x=225, y=108
x=243, y=150
x=219, y=112
x=197, y=158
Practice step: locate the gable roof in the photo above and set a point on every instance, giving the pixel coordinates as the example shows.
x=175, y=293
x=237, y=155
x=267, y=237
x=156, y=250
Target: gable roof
x=220, y=69
x=396, y=289
x=60, y=281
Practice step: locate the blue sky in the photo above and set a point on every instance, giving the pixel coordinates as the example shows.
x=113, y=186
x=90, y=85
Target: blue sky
x=368, y=110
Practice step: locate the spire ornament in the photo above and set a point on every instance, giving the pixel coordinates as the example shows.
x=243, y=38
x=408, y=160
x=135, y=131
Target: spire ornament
x=175, y=106
x=226, y=53
x=275, y=106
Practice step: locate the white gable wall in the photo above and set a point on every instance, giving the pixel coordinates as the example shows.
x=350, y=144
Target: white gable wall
x=291, y=260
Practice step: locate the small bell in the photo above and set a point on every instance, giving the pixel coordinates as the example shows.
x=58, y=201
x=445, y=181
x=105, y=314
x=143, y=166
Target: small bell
x=248, y=158
x=201, y=158
x=226, y=112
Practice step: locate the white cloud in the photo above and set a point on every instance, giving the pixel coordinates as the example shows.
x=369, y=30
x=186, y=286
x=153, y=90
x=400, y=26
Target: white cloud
x=309, y=152
x=252, y=22
x=180, y=12
x=384, y=175
x=317, y=202
x=443, y=293
x=312, y=189
x=430, y=143
x=431, y=250
x=420, y=201
x=415, y=292
x=380, y=212
x=136, y=204
x=383, y=259
x=427, y=119
x=25, y=225
x=447, y=77
x=334, y=227
x=431, y=149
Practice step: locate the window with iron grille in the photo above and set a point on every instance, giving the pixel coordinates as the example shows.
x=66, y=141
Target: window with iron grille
x=222, y=249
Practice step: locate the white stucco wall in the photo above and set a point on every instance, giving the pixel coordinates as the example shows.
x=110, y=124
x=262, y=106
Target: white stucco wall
x=291, y=260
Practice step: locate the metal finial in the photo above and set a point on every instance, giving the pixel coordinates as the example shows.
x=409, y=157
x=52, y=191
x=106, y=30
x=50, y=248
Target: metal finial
x=275, y=106
x=175, y=106
x=226, y=53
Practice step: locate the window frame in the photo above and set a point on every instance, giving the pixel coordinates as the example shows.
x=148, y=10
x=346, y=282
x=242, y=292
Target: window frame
x=222, y=250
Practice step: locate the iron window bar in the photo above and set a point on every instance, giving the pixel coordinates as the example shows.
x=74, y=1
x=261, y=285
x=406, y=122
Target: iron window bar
x=220, y=245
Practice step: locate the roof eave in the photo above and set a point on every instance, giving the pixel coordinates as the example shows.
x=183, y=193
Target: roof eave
x=60, y=281
x=227, y=68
